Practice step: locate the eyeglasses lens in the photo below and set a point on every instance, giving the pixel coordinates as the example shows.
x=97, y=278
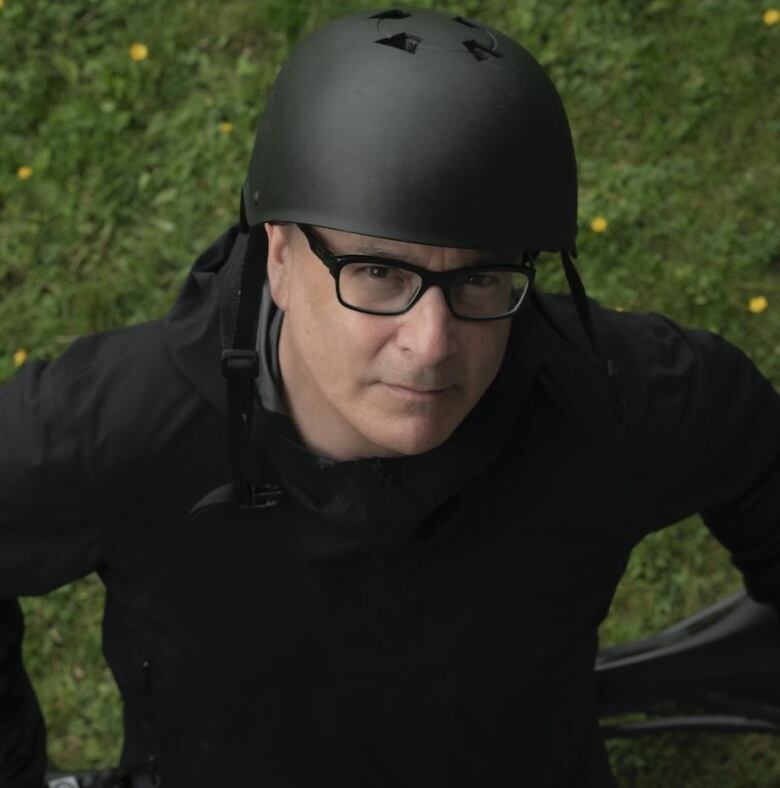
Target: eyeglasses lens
x=385, y=289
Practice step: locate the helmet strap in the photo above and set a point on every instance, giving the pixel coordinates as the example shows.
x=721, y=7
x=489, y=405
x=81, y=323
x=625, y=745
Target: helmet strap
x=240, y=285
x=583, y=310
x=239, y=305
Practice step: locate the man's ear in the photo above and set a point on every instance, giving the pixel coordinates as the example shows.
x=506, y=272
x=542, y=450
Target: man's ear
x=279, y=262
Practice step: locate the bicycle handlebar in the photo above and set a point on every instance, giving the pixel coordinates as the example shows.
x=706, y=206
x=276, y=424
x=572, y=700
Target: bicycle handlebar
x=723, y=660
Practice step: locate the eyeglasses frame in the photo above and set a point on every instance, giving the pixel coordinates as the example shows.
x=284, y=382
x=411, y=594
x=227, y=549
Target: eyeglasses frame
x=335, y=263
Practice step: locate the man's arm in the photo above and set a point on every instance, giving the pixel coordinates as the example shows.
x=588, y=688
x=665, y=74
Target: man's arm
x=744, y=427
x=22, y=731
x=749, y=526
x=730, y=460
x=47, y=539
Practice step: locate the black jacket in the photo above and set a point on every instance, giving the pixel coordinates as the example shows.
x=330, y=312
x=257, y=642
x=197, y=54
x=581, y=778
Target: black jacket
x=429, y=620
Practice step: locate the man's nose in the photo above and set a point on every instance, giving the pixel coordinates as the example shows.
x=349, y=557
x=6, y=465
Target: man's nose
x=427, y=329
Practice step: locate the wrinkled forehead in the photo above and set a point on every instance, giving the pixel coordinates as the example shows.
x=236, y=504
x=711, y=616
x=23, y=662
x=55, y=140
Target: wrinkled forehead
x=341, y=242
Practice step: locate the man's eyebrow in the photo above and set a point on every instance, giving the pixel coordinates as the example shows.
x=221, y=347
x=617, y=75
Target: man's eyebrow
x=485, y=257
x=375, y=251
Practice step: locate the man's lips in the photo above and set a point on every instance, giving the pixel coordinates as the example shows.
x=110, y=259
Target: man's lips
x=416, y=394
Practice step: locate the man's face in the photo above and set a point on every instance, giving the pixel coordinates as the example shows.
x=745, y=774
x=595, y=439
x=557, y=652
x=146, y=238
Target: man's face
x=360, y=385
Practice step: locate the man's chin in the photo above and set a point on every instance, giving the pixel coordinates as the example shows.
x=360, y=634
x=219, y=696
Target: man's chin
x=401, y=439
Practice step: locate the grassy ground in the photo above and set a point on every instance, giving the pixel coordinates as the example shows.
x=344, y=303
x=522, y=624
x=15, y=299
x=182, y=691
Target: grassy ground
x=115, y=172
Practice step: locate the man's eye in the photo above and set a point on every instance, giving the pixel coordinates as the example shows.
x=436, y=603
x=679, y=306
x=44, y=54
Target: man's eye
x=481, y=280
x=379, y=272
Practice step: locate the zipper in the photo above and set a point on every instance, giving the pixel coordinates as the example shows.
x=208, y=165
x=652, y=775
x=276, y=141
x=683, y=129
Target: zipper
x=146, y=665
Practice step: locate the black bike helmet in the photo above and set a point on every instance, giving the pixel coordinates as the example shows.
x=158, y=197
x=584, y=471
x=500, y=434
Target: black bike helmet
x=419, y=126
x=409, y=124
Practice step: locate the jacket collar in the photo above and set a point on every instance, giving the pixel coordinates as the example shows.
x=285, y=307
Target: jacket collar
x=542, y=354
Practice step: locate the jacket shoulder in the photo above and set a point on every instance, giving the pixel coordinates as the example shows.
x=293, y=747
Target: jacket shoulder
x=704, y=409
x=121, y=403
x=674, y=377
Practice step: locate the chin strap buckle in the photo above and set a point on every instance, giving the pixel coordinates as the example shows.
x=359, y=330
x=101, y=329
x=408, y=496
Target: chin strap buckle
x=240, y=364
x=251, y=496
x=260, y=496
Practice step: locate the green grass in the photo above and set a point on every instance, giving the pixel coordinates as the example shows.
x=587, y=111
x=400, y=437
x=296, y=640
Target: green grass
x=675, y=114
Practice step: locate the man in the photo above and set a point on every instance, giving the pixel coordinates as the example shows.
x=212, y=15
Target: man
x=435, y=474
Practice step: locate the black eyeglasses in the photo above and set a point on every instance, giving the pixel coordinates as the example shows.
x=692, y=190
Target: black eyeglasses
x=378, y=286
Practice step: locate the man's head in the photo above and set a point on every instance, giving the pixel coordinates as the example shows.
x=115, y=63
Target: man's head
x=438, y=139
x=361, y=385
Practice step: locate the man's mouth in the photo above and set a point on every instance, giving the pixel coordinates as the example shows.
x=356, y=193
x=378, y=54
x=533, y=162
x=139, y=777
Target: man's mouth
x=417, y=394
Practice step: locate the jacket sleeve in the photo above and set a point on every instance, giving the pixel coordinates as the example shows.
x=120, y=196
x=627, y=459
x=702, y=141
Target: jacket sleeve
x=742, y=428
x=720, y=418
x=47, y=539
x=22, y=732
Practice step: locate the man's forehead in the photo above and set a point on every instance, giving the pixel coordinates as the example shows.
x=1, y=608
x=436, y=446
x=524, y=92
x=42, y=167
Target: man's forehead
x=342, y=242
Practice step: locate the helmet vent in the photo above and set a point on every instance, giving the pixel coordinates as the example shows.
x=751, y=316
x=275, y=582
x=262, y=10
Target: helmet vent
x=401, y=41
x=464, y=21
x=479, y=51
x=392, y=14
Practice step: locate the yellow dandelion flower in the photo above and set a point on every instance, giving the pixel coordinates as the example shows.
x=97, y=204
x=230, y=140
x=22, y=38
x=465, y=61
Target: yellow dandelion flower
x=599, y=224
x=139, y=52
x=226, y=127
x=620, y=309
x=757, y=304
x=23, y=173
x=771, y=16
x=20, y=357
